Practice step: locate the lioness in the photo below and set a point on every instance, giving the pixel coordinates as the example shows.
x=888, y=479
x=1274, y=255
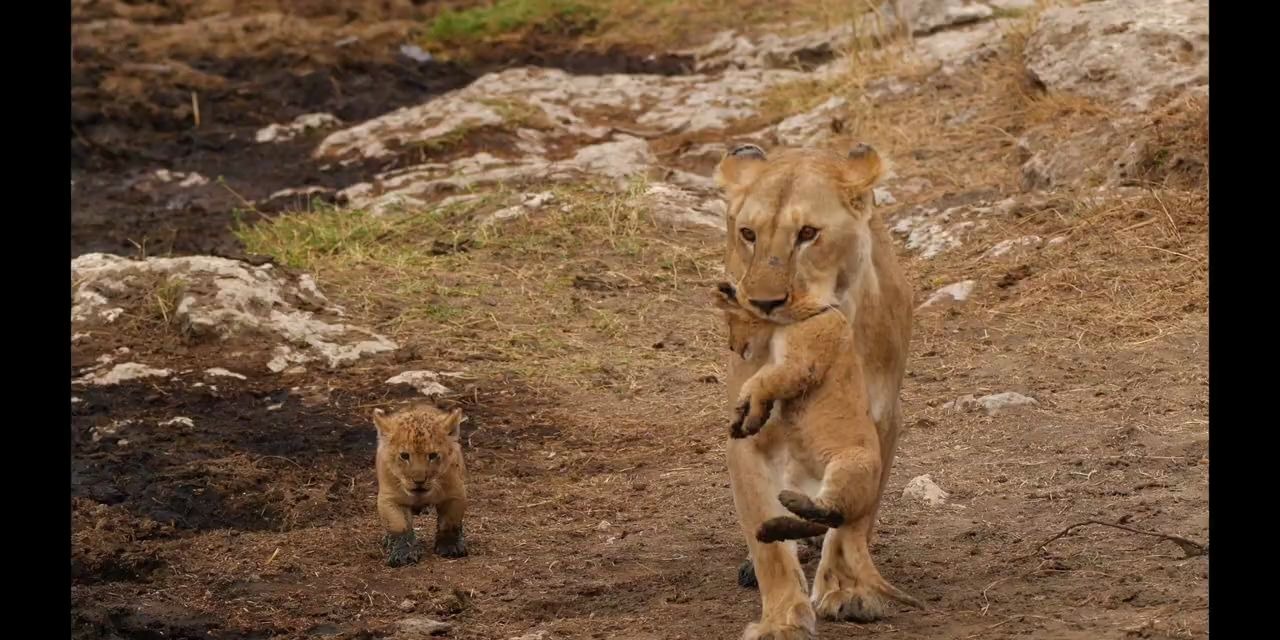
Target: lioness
x=419, y=464
x=814, y=384
x=800, y=227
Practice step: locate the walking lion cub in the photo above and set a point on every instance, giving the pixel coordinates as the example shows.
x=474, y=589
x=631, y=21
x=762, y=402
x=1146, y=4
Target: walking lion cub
x=419, y=464
x=812, y=384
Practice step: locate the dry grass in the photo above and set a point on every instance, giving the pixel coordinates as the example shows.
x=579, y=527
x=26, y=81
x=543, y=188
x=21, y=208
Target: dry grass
x=647, y=24
x=562, y=298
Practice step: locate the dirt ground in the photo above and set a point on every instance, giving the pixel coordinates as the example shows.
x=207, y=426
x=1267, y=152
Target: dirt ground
x=600, y=501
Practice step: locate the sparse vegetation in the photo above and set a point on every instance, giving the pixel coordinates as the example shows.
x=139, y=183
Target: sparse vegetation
x=511, y=17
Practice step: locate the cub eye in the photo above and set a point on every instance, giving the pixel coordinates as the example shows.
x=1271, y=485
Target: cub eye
x=747, y=234
x=807, y=234
x=433, y=456
x=405, y=456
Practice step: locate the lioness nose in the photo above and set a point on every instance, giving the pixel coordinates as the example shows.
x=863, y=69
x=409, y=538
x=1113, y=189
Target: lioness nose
x=769, y=305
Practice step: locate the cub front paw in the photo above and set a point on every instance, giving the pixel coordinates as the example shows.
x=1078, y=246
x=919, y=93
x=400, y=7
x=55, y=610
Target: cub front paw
x=402, y=549
x=455, y=548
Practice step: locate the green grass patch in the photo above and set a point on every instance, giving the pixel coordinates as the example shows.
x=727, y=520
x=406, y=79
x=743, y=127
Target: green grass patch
x=477, y=24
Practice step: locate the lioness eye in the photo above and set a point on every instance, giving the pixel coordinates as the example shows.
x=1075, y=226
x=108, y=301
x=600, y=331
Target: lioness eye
x=404, y=456
x=747, y=234
x=433, y=456
x=806, y=234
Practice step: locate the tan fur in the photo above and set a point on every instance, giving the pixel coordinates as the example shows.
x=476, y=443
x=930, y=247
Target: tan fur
x=814, y=376
x=851, y=265
x=433, y=475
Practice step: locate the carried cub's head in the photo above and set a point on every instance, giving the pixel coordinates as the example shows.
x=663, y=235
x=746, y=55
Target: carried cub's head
x=798, y=226
x=417, y=444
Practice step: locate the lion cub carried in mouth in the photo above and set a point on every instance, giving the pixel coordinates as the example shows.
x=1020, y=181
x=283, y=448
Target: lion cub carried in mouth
x=419, y=464
x=814, y=378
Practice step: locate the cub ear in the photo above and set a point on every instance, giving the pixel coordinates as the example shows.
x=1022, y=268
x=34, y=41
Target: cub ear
x=861, y=170
x=451, y=423
x=382, y=422
x=740, y=166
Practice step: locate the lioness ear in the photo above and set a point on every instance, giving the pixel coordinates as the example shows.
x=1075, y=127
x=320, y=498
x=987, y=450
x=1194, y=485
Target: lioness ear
x=740, y=166
x=382, y=422
x=862, y=169
x=451, y=423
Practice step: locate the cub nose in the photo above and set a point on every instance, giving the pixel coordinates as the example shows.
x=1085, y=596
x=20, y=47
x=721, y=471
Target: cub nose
x=766, y=306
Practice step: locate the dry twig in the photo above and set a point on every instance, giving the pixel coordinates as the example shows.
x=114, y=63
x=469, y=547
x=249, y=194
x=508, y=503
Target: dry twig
x=1189, y=547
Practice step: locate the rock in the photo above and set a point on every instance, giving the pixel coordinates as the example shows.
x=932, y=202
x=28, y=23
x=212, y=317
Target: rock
x=415, y=53
x=420, y=627
x=407, y=605
x=300, y=125
x=124, y=372
x=811, y=127
x=536, y=635
x=991, y=404
x=1012, y=6
x=550, y=104
x=1012, y=245
x=425, y=382
x=1132, y=53
x=924, y=489
x=932, y=229
x=729, y=49
x=181, y=179
x=223, y=300
x=928, y=16
x=994, y=403
x=955, y=292
x=530, y=203
x=180, y=421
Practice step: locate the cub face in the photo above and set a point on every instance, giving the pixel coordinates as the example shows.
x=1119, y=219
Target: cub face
x=416, y=446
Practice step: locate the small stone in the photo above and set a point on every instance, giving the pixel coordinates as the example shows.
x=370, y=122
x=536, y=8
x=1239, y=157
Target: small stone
x=407, y=605
x=955, y=292
x=995, y=402
x=223, y=373
x=421, y=627
x=924, y=489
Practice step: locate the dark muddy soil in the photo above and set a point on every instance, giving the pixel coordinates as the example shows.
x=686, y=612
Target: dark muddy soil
x=153, y=101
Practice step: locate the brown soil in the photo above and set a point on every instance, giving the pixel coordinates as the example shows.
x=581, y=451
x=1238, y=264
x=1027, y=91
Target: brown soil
x=596, y=430
x=134, y=84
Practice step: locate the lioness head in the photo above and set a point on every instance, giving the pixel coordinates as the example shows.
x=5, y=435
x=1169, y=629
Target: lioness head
x=798, y=234
x=417, y=444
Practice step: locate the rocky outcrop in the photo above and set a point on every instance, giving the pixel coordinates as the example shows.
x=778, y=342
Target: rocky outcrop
x=206, y=299
x=1132, y=53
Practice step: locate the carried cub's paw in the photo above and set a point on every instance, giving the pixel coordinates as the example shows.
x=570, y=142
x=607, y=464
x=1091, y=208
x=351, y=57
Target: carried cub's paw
x=456, y=548
x=402, y=549
x=747, y=575
x=736, y=429
x=783, y=528
x=803, y=506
